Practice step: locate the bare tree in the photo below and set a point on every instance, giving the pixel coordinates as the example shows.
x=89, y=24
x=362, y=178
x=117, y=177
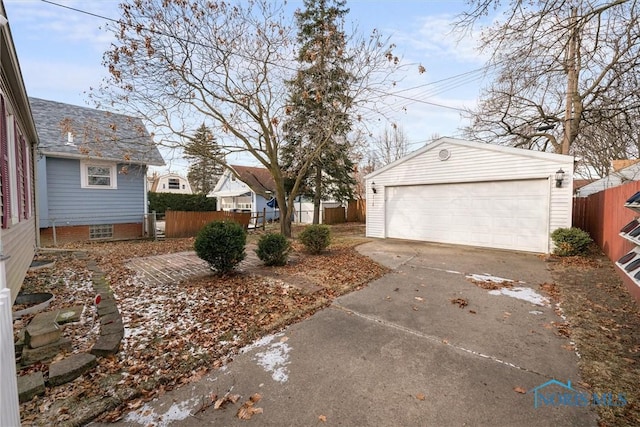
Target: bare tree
x=390, y=145
x=177, y=63
x=564, y=77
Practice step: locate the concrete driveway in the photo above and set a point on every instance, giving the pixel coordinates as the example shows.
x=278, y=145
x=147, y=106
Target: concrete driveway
x=400, y=353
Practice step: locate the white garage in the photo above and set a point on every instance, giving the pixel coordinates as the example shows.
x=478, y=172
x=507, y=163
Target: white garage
x=468, y=193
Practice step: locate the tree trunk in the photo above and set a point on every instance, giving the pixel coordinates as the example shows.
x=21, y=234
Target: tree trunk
x=572, y=86
x=316, y=196
x=285, y=216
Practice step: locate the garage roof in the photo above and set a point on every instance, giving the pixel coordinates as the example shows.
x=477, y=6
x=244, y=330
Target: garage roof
x=559, y=158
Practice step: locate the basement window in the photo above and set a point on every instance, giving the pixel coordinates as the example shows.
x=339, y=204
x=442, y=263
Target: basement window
x=101, y=231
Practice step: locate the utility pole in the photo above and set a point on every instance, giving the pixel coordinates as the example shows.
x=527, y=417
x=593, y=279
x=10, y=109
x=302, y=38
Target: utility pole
x=572, y=83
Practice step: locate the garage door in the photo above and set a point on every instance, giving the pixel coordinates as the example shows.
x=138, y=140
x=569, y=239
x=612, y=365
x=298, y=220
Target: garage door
x=498, y=214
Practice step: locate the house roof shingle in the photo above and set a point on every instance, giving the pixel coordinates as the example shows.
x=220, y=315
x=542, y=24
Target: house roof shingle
x=258, y=179
x=96, y=134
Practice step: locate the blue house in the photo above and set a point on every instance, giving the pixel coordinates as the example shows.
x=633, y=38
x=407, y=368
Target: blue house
x=91, y=173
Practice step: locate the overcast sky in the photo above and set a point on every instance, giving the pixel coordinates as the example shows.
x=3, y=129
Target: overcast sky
x=60, y=53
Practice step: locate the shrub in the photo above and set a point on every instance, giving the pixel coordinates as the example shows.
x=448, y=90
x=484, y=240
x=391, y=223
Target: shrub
x=221, y=244
x=162, y=202
x=570, y=241
x=273, y=249
x=315, y=238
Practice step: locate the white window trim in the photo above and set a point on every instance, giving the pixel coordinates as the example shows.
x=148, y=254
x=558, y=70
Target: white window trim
x=84, y=174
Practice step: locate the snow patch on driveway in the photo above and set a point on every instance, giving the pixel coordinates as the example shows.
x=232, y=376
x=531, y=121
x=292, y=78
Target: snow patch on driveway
x=275, y=357
x=526, y=294
x=146, y=415
x=488, y=278
x=275, y=360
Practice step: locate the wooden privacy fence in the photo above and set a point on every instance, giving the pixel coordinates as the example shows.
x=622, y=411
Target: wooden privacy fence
x=602, y=215
x=334, y=215
x=356, y=211
x=188, y=224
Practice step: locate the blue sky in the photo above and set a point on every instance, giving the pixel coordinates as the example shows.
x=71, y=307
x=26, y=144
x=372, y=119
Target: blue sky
x=60, y=53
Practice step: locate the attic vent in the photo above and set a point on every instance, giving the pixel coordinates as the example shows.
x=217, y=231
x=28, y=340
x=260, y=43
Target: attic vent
x=444, y=154
x=70, y=139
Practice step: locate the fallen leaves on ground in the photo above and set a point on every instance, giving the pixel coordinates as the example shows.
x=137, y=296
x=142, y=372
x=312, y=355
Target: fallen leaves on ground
x=552, y=290
x=603, y=322
x=322, y=418
x=421, y=396
x=247, y=410
x=175, y=333
x=461, y=302
x=520, y=390
x=490, y=285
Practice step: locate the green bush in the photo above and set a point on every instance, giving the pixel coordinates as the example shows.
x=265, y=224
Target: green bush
x=273, y=249
x=162, y=202
x=221, y=244
x=570, y=241
x=315, y=238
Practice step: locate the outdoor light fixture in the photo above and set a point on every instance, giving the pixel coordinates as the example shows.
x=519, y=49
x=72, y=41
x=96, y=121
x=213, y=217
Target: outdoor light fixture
x=373, y=187
x=559, y=178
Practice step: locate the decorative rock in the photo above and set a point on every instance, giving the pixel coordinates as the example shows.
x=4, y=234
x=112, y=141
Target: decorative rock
x=110, y=318
x=69, y=314
x=70, y=368
x=30, y=385
x=107, y=308
x=107, y=344
x=33, y=355
x=43, y=330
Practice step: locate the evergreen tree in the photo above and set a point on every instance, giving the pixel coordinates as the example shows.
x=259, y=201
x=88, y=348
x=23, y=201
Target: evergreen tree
x=318, y=121
x=205, y=158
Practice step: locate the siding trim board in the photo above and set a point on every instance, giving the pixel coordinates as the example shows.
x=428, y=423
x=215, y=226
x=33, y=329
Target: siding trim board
x=517, y=184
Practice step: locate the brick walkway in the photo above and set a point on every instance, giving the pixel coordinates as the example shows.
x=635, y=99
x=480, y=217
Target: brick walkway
x=171, y=268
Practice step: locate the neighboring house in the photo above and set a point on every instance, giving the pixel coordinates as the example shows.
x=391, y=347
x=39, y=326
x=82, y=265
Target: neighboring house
x=579, y=183
x=469, y=193
x=92, y=169
x=169, y=183
x=18, y=232
x=622, y=171
x=246, y=189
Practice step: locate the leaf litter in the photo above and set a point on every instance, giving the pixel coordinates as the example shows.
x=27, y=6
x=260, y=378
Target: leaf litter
x=177, y=332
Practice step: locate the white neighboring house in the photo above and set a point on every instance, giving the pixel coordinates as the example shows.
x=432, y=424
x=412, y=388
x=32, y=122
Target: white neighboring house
x=623, y=171
x=469, y=193
x=169, y=183
x=249, y=189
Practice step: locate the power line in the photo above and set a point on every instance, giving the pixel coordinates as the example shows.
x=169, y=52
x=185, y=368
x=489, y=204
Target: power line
x=384, y=94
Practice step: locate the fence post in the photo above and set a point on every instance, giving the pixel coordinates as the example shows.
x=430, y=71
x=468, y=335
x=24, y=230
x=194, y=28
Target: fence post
x=9, y=405
x=264, y=219
x=153, y=219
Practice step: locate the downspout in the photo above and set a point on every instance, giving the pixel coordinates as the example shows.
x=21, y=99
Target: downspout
x=145, y=198
x=36, y=193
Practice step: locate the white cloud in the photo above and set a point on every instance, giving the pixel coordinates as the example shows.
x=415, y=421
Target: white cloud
x=46, y=23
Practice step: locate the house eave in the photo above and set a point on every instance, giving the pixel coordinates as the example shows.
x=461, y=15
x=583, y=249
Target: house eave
x=105, y=159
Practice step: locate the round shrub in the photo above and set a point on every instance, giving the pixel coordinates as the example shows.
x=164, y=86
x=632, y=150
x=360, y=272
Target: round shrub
x=221, y=244
x=570, y=241
x=315, y=238
x=273, y=249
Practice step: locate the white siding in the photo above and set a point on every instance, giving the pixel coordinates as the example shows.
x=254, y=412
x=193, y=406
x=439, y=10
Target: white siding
x=470, y=162
x=183, y=184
